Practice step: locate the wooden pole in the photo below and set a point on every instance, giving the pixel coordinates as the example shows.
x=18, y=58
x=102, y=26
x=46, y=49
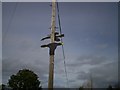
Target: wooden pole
x=52, y=37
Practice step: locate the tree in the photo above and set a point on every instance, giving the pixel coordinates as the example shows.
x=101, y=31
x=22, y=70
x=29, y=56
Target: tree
x=81, y=88
x=24, y=80
x=109, y=87
x=4, y=87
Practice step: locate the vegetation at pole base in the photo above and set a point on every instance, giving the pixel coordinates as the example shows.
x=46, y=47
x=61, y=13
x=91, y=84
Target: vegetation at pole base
x=24, y=80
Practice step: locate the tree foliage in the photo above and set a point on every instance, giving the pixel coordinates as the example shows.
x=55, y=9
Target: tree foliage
x=24, y=80
x=81, y=88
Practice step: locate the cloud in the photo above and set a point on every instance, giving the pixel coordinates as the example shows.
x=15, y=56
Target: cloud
x=83, y=75
x=92, y=60
x=102, y=76
x=103, y=70
x=12, y=66
x=107, y=73
x=23, y=52
x=102, y=46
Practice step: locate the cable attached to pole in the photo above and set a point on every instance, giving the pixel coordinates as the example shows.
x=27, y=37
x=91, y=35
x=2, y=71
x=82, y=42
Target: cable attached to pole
x=59, y=22
x=11, y=19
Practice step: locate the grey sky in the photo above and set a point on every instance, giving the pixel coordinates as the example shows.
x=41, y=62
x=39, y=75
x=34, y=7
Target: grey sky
x=91, y=42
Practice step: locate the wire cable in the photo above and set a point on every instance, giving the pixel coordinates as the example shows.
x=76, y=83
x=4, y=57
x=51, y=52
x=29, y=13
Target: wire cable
x=11, y=19
x=59, y=22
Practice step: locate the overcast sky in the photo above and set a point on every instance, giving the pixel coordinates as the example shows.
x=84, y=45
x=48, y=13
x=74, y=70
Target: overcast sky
x=90, y=42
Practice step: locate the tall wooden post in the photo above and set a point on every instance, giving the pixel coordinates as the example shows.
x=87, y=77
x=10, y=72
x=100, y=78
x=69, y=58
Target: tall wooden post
x=54, y=38
x=51, y=65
